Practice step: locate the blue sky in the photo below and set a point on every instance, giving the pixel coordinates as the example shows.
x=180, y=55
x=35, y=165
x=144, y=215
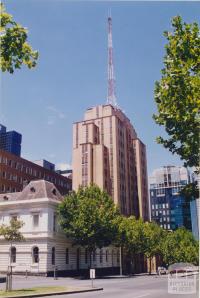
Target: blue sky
x=71, y=75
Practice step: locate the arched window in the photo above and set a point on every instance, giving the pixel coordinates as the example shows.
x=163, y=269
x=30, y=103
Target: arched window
x=53, y=256
x=101, y=256
x=94, y=255
x=113, y=257
x=13, y=254
x=118, y=256
x=107, y=252
x=35, y=254
x=86, y=256
x=67, y=256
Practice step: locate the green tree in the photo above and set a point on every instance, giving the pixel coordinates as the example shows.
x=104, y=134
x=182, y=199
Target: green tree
x=130, y=237
x=12, y=232
x=14, y=48
x=177, y=94
x=180, y=246
x=154, y=235
x=87, y=218
x=190, y=191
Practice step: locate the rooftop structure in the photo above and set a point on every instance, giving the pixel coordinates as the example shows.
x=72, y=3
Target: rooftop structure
x=168, y=207
x=17, y=172
x=10, y=141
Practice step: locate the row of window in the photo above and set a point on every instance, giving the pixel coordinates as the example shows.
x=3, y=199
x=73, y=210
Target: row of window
x=167, y=184
x=165, y=226
x=36, y=255
x=28, y=170
x=4, y=188
x=159, y=206
x=36, y=220
x=160, y=212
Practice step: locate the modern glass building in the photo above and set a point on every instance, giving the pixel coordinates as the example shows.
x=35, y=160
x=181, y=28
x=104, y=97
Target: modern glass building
x=10, y=141
x=195, y=210
x=168, y=208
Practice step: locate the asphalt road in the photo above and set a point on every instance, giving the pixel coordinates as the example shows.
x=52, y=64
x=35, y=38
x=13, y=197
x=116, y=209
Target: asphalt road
x=133, y=287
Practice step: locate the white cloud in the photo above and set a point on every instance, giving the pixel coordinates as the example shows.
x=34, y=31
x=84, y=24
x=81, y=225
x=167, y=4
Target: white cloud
x=50, y=121
x=63, y=166
x=57, y=113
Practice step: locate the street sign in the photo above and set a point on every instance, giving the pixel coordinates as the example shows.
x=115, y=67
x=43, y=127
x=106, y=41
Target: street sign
x=92, y=273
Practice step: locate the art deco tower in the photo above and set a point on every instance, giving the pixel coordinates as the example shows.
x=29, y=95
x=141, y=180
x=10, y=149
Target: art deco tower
x=107, y=152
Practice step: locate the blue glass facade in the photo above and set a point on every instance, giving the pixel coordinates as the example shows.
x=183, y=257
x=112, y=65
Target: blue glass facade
x=168, y=208
x=195, y=212
x=10, y=141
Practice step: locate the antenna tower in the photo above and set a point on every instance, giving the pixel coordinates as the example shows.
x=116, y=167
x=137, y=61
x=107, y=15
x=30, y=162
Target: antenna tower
x=111, y=97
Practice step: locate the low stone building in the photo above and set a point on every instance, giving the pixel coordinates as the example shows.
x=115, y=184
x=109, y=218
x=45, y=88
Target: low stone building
x=45, y=246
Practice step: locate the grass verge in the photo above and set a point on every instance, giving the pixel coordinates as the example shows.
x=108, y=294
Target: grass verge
x=32, y=291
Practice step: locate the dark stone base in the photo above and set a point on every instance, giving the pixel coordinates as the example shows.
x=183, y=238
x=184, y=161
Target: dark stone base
x=85, y=273
x=2, y=279
x=82, y=273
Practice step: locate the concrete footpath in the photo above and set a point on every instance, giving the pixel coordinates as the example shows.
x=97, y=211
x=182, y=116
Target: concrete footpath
x=75, y=286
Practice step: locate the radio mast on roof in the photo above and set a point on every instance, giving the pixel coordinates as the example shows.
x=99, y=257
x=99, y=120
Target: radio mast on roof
x=111, y=97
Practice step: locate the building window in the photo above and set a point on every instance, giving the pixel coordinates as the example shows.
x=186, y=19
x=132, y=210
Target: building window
x=35, y=254
x=94, y=256
x=53, y=256
x=67, y=256
x=86, y=256
x=54, y=222
x=35, y=220
x=54, y=192
x=107, y=252
x=32, y=189
x=13, y=254
x=101, y=256
x=118, y=257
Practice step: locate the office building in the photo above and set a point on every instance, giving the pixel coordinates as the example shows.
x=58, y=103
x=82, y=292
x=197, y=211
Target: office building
x=10, y=141
x=66, y=173
x=45, y=164
x=195, y=210
x=16, y=172
x=107, y=152
x=168, y=207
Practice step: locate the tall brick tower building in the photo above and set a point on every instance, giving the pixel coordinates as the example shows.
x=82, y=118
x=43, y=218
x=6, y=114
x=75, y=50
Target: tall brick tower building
x=107, y=152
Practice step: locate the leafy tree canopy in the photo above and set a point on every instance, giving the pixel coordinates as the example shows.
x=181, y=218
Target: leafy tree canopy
x=12, y=232
x=14, y=49
x=180, y=246
x=154, y=235
x=190, y=191
x=87, y=217
x=177, y=94
x=131, y=234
